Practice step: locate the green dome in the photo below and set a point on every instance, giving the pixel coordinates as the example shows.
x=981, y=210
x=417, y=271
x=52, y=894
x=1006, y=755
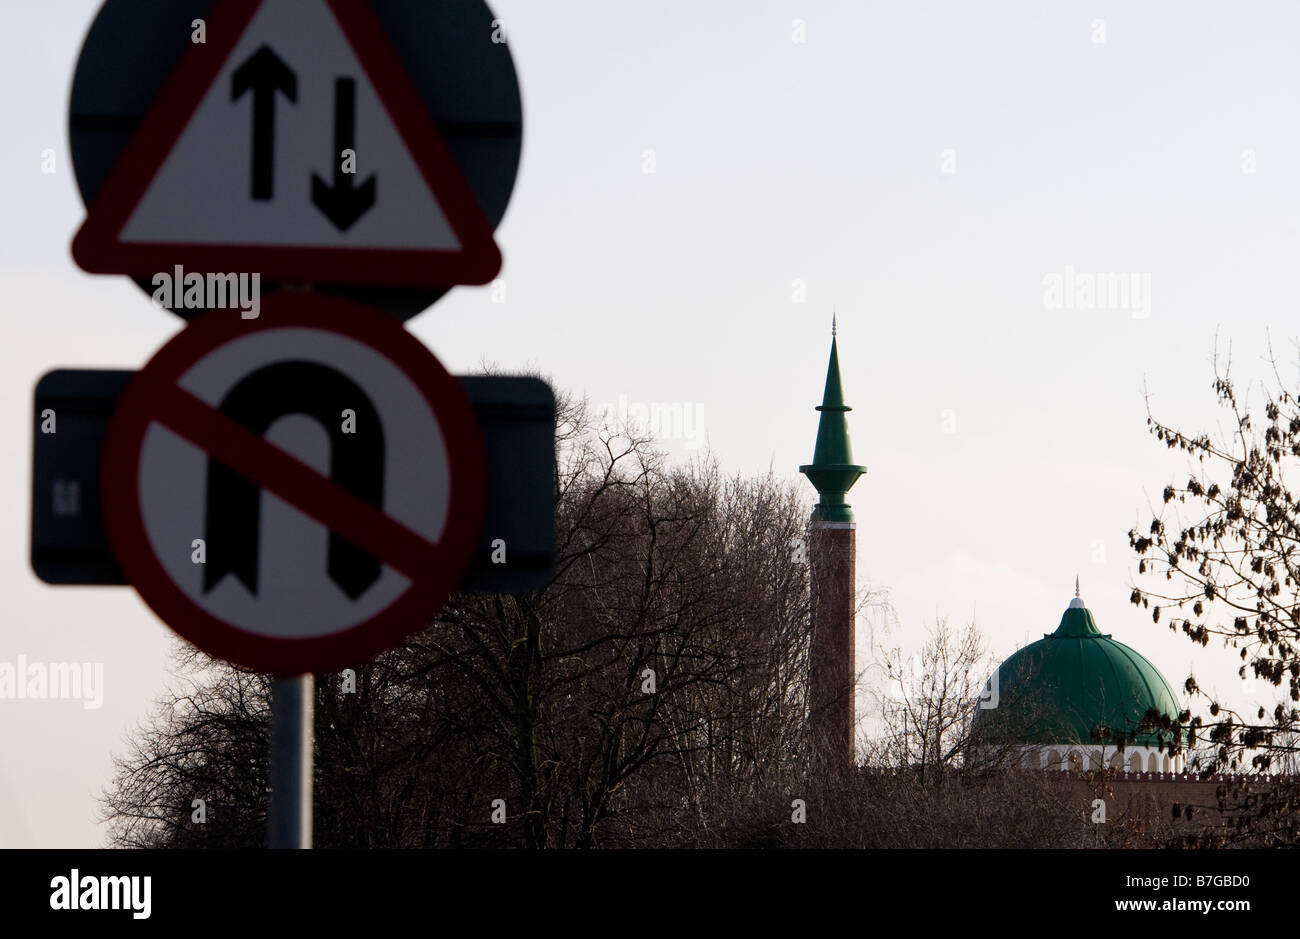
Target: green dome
x=1067, y=685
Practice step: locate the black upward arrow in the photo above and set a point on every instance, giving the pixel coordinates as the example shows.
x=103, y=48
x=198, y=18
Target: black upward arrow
x=265, y=73
x=343, y=203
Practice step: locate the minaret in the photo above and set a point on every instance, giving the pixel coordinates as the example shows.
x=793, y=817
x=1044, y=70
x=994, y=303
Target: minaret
x=832, y=565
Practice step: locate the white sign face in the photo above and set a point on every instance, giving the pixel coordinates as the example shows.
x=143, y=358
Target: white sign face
x=298, y=493
x=292, y=594
x=271, y=141
x=290, y=143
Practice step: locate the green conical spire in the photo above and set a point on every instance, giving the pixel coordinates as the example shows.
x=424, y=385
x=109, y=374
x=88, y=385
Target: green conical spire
x=832, y=470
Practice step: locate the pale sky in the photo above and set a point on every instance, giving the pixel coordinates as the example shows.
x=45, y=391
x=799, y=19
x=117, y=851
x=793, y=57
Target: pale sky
x=921, y=168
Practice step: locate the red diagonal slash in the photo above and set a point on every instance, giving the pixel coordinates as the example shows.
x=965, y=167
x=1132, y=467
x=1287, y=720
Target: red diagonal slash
x=295, y=482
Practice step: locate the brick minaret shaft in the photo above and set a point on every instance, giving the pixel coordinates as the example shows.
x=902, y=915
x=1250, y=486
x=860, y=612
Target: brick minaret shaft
x=832, y=555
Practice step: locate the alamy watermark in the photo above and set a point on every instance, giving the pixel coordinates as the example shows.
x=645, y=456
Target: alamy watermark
x=1104, y=290
x=68, y=681
x=81, y=892
x=662, y=419
x=194, y=291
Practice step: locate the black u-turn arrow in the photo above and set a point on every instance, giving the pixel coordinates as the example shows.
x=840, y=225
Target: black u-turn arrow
x=356, y=464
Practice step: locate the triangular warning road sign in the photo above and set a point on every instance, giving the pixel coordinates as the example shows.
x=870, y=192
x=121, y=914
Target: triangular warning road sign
x=291, y=143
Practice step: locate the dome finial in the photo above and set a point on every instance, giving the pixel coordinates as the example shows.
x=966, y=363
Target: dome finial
x=1077, y=602
x=1076, y=585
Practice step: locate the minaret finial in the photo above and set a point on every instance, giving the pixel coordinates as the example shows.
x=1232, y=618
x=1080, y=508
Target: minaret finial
x=832, y=470
x=1076, y=585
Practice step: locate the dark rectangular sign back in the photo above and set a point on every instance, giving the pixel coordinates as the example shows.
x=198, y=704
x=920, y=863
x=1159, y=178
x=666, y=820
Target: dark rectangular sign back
x=516, y=418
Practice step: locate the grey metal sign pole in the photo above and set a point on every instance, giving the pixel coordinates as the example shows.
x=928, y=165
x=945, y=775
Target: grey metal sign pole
x=289, y=815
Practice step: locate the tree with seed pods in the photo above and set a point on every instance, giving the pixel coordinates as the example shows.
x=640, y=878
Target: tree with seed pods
x=1219, y=562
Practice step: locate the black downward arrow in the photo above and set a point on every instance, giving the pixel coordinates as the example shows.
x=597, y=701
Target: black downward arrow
x=344, y=202
x=265, y=73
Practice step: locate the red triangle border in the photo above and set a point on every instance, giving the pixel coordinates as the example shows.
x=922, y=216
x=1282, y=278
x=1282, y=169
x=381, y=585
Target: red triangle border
x=98, y=250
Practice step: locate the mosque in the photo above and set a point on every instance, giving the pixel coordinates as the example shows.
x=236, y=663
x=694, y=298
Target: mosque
x=1075, y=700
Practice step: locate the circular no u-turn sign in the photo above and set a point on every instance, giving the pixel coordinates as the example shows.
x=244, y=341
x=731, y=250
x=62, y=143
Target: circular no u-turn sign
x=294, y=493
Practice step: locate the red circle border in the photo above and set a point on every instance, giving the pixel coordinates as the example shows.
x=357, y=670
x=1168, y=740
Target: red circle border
x=419, y=603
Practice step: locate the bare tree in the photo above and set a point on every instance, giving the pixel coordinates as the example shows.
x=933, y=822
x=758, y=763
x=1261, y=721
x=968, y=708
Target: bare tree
x=927, y=703
x=662, y=673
